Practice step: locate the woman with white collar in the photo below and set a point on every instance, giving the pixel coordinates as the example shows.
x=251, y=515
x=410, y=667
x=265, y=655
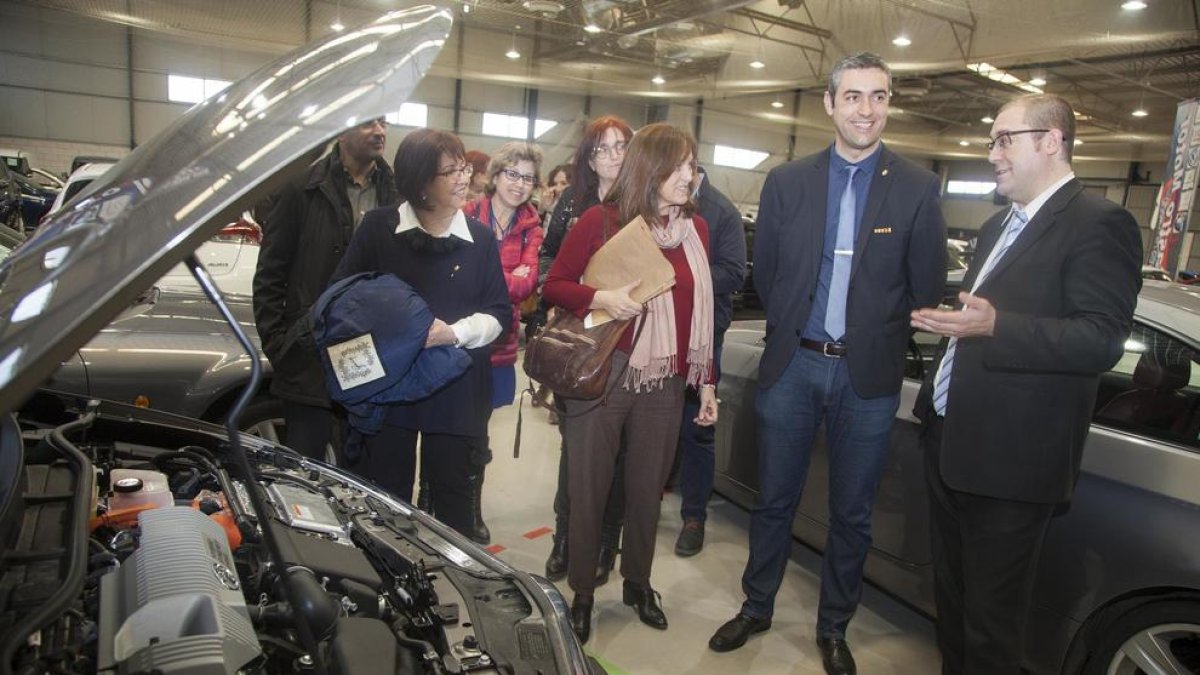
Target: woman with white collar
x=453, y=263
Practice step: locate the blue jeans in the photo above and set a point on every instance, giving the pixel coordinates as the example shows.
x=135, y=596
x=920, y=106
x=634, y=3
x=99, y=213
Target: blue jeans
x=696, y=459
x=814, y=389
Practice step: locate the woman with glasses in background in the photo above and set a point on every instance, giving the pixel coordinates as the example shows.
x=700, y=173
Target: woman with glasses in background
x=597, y=163
x=668, y=347
x=512, y=177
x=453, y=263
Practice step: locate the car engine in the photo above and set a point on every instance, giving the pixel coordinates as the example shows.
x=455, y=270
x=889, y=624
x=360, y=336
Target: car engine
x=139, y=542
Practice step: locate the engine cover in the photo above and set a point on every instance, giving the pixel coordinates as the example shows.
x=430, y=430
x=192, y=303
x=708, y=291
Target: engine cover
x=176, y=605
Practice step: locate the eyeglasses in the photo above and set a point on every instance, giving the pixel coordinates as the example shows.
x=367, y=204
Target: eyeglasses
x=1003, y=140
x=464, y=171
x=518, y=177
x=616, y=150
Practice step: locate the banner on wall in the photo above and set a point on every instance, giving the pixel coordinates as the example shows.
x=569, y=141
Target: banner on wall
x=1174, y=204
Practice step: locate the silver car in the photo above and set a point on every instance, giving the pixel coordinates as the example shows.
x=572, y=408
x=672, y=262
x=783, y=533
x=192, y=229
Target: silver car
x=138, y=541
x=1118, y=587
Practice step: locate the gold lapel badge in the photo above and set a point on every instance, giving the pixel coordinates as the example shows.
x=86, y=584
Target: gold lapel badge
x=882, y=230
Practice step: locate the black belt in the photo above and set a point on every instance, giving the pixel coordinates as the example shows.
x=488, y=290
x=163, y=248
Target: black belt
x=832, y=349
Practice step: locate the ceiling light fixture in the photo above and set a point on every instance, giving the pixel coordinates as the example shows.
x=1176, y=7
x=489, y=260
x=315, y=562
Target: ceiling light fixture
x=987, y=119
x=902, y=41
x=593, y=28
x=1140, y=112
x=964, y=143
x=466, y=8
x=1133, y=5
x=512, y=52
x=658, y=79
x=337, y=25
x=1038, y=82
x=758, y=63
x=776, y=103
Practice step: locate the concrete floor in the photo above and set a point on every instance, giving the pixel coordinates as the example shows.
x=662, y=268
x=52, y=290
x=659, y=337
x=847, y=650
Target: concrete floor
x=699, y=593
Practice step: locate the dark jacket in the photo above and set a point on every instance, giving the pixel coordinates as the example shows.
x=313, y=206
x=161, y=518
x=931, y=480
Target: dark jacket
x=1020, y=402
x=727, y=252
x=456, y=279
x=566, y=212
x=305, y=235
x=899, y=264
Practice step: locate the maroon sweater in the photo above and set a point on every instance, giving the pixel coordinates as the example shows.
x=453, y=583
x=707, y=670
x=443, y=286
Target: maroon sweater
x=563, y=289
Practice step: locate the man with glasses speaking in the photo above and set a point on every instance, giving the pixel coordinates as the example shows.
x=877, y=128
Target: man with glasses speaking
x=1008, y=405
x=306, y=232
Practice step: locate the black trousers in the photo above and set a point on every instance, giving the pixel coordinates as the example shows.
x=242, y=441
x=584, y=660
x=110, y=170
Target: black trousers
x=985, y=554
x=389, y=459
x=310, y=428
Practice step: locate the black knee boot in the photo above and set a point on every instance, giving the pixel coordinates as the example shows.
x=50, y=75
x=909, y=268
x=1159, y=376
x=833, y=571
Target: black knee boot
x=479, y=532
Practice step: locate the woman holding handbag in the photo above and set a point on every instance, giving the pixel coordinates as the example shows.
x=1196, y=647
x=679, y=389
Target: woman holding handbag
x=673, y=350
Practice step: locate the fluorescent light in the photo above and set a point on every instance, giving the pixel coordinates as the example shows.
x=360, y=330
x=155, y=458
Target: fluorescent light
x=1133, y=5
x=593, y=28
x=1038, y=81
x=658, y=79
x=987, y=119
x=969, y=187
x=738, y=158
x=756, y=64
x=902, y=41
x=1140, y=112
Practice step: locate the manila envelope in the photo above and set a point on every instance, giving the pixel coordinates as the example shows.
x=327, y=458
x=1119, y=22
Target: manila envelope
x=630, y=254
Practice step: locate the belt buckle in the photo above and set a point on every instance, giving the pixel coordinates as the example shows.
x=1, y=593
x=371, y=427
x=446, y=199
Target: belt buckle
x=838, y=350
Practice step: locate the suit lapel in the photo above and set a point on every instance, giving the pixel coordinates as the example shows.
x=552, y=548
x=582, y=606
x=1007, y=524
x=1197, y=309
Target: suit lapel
x=816, y=189
x=880, y=183
x=1037, y=227
x=989, y=234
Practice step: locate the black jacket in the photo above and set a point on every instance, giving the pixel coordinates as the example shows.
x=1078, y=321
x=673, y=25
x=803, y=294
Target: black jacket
x=726, y=252
x=305, y=235
x=899, y=264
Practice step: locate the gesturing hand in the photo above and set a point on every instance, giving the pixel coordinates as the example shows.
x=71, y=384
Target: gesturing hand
x=976, y=318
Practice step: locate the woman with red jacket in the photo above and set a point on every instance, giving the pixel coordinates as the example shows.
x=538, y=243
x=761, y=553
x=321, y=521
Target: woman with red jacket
x=512, y=178
x=672, y=350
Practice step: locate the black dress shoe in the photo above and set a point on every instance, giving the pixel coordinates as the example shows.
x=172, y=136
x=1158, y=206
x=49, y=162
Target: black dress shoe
x=836, y=656
x=556, y=564
x=647, y=602
x=736, y=631
x=581, y=617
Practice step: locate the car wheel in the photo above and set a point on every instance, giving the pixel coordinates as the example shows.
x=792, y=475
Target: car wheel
x=1160, y=638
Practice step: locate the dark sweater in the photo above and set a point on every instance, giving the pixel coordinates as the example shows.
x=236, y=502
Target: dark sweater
x=456, y=279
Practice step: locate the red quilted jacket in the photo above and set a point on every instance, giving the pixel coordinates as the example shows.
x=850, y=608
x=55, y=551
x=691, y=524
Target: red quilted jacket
x=519, y=247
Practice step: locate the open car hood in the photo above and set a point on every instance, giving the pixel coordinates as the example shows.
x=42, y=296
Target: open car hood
x=155, y=207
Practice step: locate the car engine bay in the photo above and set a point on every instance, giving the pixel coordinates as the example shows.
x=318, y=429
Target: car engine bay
x=133, y=546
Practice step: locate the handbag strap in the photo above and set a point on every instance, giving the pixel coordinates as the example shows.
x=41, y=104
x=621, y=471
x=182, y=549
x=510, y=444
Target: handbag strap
x=603, y=400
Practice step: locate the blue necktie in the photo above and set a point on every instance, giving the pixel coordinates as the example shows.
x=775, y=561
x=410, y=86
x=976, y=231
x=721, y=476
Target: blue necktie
x=843, y=255
x=941, y=383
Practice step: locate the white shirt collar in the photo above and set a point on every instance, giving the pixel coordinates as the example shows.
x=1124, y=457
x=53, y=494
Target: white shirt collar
x=1038, y=202
x=458, y=225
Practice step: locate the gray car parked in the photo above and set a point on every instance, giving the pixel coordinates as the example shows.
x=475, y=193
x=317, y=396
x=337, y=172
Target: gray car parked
x=1118, y=588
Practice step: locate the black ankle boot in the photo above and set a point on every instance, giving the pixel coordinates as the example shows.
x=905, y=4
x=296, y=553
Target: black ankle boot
x=479, y=532
x=556, y=564
x=581, y=617
x=610, y=542
x=647, y=602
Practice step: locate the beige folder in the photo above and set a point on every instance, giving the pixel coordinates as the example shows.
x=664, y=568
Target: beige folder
x=630, y=254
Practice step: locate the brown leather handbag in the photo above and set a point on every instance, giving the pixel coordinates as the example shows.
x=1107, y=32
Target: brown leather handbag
x=573, y=361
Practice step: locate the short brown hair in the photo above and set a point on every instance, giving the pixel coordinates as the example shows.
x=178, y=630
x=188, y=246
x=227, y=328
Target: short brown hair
x=1048, y=111
x=417, y=159
x=653, y=154
x=511, y=154
x=585, y=181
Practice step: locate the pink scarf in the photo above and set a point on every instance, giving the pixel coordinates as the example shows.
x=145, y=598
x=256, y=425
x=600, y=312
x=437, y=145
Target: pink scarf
x=653, y=358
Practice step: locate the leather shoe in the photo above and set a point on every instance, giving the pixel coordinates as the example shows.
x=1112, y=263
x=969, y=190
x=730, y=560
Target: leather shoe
x=581, y=617
x=556, y=564
x=604, y=566
x=736, y=631
x=647, y=602
x=691, y=539
x=836, y=656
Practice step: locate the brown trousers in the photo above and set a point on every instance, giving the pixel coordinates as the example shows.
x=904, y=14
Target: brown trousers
x=650, y=420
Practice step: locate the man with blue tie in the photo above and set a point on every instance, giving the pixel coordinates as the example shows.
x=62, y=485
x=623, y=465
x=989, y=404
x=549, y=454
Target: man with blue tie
x=850, y=240
x=1007, y=410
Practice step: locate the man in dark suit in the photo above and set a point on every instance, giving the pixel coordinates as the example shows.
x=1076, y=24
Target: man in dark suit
x=849, y=242
x=1006, y=412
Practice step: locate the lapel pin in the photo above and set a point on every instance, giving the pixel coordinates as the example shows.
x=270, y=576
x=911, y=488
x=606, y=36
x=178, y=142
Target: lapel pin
x=884, y=172
x=454, y=269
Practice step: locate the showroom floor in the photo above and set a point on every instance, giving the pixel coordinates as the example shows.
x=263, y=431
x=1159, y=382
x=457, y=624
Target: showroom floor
x=699, y=593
